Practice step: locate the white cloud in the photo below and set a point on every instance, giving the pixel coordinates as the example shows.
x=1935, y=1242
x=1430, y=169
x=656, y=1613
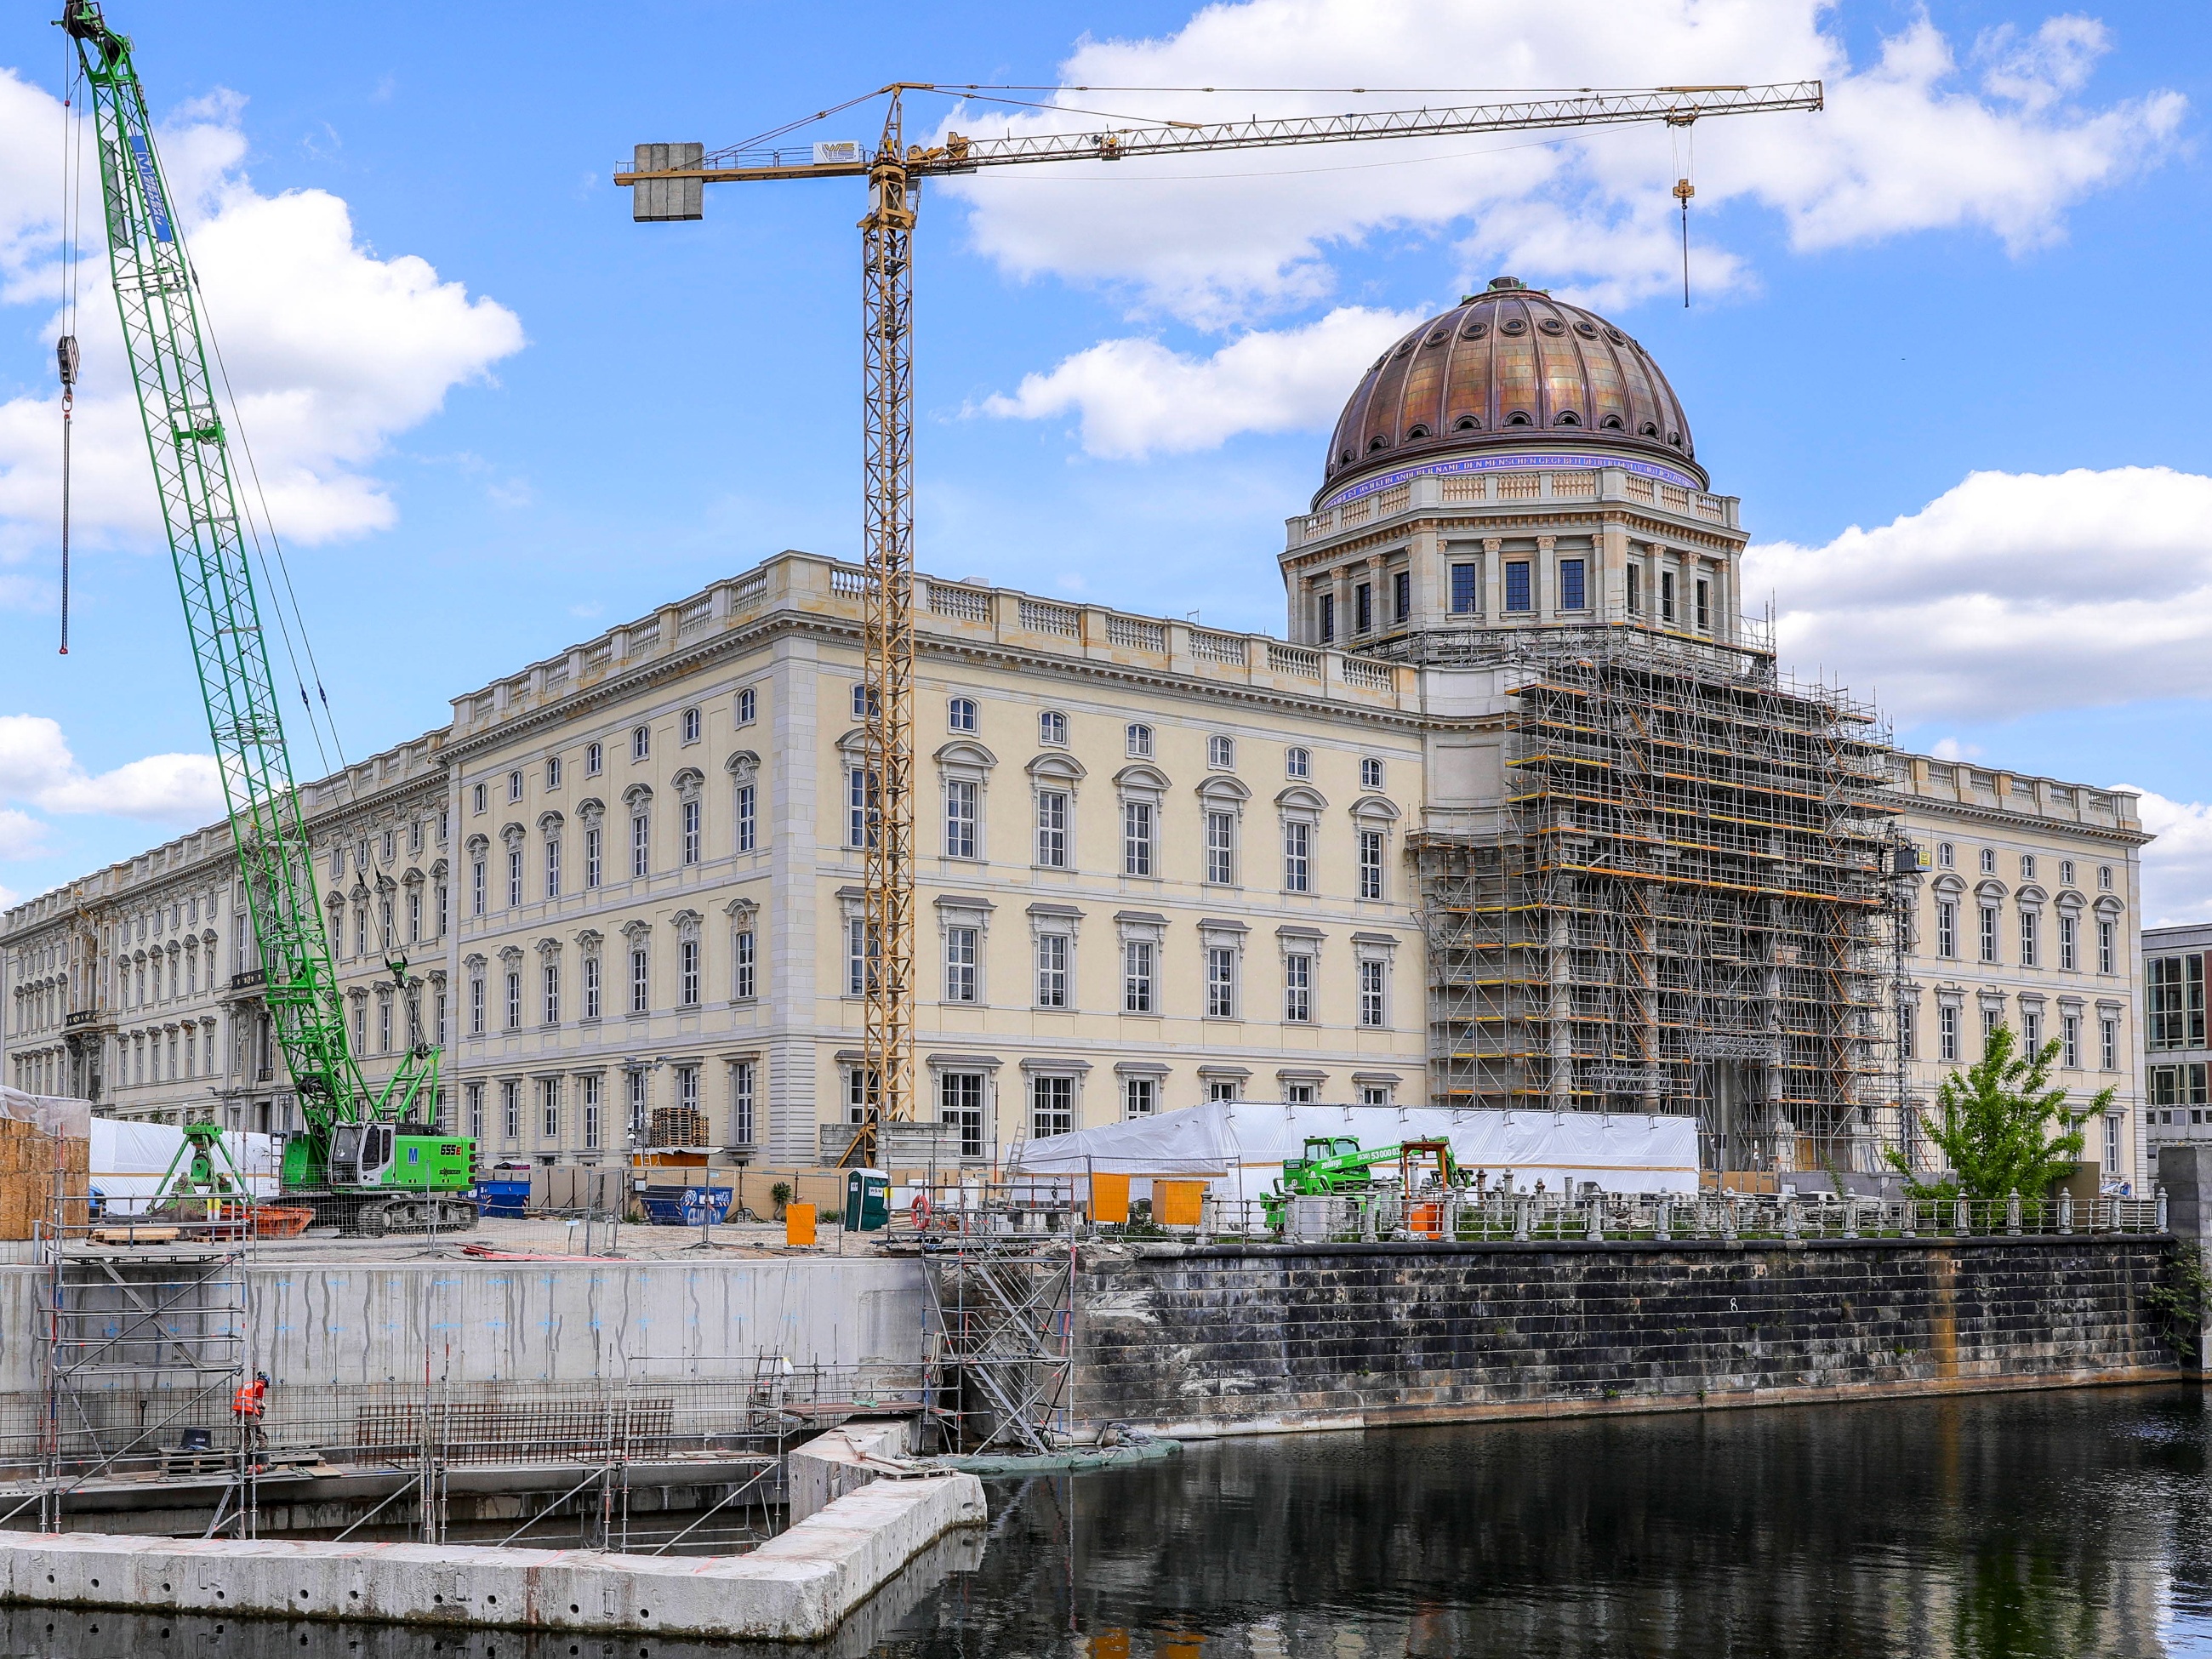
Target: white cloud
x=1905, y=144
x=2009, y=594
x=38, y=770
x=20, y=838
x=1136, y=397
x=2177, y=870
x=331, y=349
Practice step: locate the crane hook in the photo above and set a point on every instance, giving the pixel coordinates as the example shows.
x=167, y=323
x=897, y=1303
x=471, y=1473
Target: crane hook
x=1684, y=190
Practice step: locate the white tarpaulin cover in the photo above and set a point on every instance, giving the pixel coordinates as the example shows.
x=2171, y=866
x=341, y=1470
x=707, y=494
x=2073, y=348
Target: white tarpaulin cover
x=130, y=1159
x=55, y=1114
x=1239, y=1146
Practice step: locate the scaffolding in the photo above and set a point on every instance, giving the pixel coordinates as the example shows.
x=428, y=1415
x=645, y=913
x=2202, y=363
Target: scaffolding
x=1686, y=906
x=1000, y=1343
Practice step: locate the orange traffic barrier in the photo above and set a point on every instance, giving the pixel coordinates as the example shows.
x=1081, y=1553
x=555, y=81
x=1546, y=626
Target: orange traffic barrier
x=799, y=1224
x=1178, y=1203
x=1109, y=1199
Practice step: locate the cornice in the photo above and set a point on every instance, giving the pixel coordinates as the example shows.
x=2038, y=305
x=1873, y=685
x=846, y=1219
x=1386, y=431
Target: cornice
x=1997, y=815
x=1516, y=520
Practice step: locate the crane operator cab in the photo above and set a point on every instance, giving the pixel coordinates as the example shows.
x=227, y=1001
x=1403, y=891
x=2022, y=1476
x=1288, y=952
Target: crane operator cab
x=360, y=1154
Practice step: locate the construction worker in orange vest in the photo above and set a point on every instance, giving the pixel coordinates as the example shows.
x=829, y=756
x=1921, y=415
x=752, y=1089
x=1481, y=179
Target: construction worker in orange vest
x=249, y=1406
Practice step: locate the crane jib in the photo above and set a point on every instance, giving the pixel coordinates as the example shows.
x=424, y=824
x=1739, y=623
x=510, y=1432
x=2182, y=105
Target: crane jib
x=149, y=181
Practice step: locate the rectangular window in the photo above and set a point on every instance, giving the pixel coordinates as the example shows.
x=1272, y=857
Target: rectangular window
x=2069, y=954
x=641, y=984
x=744, y=982
x=514, y=999
x=641, y=845
x=1465, y=590
x=552, y=868
x=592, y=1133
x=1297, y=856
x=414, y=915
x=1947, y=1033
x=593, y=838
x=1666, y=596
x=687, y=972
x=640, y=1084
x=860, y=813
x=1370, y=864
x=2109, y=1055
x=513, y=877
x=515, y=785
x=1052, y=1106
x=1137, y=964
x=552, y=993
x=687, y=1092
x=1517, y=596
x=2031, y=1030
x=856, y=956
x=1362, y=607
x=591, y=987
x=1907, y=1019
x=959, y=818
x=1136, y=838
x=960, y=1103
x=472, y=1105
x=1946, y=928
x=1989, y=933
x=1325, y=617
x=1221, y=848
x=2070, y=1042
x=1297, y=987
x=1373, y=979
x=2113, y=1142
x=2030, y=945
x=641, y=743
x=741, y=1102
x=384, y=1025
x=690, y=818
x=476, y=1006
x=1705, y=605
x=438, y=1017
x=1052, y=828
x=1402, y=594
x=1140, y=1096
x=1052, y=970
x=552, y=778
x=549, y=1111
x=2175, y=987
x=510, y=1109
x=960, y=964
x=2106, y=953
x=748, y=830
x=1220, y=982
x=1989, y=1019
x=1635, y=590
x=1572, y=596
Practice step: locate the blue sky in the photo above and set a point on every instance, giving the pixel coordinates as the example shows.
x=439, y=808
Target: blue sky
x=1959, y=314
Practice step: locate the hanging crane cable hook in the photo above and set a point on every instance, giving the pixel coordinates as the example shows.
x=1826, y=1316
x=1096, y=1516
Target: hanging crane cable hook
x=1686, y=161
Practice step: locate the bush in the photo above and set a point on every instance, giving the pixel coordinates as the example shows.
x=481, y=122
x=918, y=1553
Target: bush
x=1995, y=1128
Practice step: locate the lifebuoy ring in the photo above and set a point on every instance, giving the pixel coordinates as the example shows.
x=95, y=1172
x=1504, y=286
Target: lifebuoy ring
x=918, y=1212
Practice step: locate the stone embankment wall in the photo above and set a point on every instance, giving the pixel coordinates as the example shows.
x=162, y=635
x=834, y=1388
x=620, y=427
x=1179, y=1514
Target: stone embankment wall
x=1245, y=1339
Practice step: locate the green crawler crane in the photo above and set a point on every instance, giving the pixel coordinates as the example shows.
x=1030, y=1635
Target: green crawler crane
x=368, y=1163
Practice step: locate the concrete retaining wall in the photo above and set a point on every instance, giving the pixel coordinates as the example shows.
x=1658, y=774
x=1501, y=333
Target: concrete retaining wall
x=1243, y=1338
x=345, y=1323
x=798, y=1587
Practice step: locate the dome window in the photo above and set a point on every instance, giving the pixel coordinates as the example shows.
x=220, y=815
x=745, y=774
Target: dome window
x=1552, y=326
x=1345, y=459
x=1518, y=418
x=1415, y=434
x=1474, y=330
x=1404, y=347
x=1588, y=330
x=1616, y=337
x=1437, y=336
x=1466, y=423
x=1647, y=430
x=1568, y=418
x=1612, y=423
x=1374, y=444
x=1513, y=326
x=1675, y=439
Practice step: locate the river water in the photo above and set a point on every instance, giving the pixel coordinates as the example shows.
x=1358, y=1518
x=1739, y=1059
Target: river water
x=2073, y=1523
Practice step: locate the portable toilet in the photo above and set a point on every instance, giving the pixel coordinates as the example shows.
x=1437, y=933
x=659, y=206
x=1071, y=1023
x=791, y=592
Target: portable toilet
x=867, y=1200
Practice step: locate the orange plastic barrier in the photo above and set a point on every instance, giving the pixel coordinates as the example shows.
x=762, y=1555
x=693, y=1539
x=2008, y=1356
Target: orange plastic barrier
x=1427, y=1220
x=799, y=1224
x=1109, y=1198
x=1177, y=1203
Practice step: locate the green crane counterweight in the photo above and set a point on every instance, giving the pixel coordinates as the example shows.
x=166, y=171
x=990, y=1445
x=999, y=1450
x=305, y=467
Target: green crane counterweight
x=349, y=1163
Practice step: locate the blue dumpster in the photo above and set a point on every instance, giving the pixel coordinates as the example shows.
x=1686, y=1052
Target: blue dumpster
x=687, y=1207
x=503, y=1198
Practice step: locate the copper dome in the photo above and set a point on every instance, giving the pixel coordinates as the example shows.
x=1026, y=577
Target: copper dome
x=1501, y=369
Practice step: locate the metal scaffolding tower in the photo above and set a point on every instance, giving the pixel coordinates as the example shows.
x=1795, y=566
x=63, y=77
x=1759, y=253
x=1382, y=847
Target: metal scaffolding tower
x=1688, y=907
x=1001, y=1337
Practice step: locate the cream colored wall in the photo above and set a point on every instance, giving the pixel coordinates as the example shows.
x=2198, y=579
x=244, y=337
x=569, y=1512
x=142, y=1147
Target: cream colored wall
x=2052, y=821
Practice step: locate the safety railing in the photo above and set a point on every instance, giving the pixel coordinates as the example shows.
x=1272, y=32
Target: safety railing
x=1453, y=1215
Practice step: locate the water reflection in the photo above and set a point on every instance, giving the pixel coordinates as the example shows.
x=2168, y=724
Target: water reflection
x=2032, y=1524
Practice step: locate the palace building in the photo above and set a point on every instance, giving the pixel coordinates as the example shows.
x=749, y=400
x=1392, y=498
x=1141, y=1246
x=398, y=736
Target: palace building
x=1519, y=811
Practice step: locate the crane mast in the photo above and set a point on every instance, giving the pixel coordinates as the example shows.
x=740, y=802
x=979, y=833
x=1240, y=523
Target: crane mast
x=666, y=181
x=165, y=335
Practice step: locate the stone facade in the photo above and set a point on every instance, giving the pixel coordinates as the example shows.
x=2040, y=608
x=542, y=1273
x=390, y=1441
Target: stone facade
x=1234, y=1339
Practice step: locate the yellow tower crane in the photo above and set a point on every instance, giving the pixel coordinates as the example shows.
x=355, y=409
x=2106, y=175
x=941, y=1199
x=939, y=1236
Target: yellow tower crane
x=668, y=182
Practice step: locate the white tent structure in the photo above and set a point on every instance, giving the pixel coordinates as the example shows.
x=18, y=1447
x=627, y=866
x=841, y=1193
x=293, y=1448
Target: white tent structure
x=128, y=1160
x=1237, y=1146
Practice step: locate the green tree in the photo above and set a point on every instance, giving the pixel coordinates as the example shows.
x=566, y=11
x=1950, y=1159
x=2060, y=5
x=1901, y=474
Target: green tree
x=1995, y=1124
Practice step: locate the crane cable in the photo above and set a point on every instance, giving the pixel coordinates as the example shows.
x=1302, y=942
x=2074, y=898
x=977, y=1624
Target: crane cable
x=1686, y=163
